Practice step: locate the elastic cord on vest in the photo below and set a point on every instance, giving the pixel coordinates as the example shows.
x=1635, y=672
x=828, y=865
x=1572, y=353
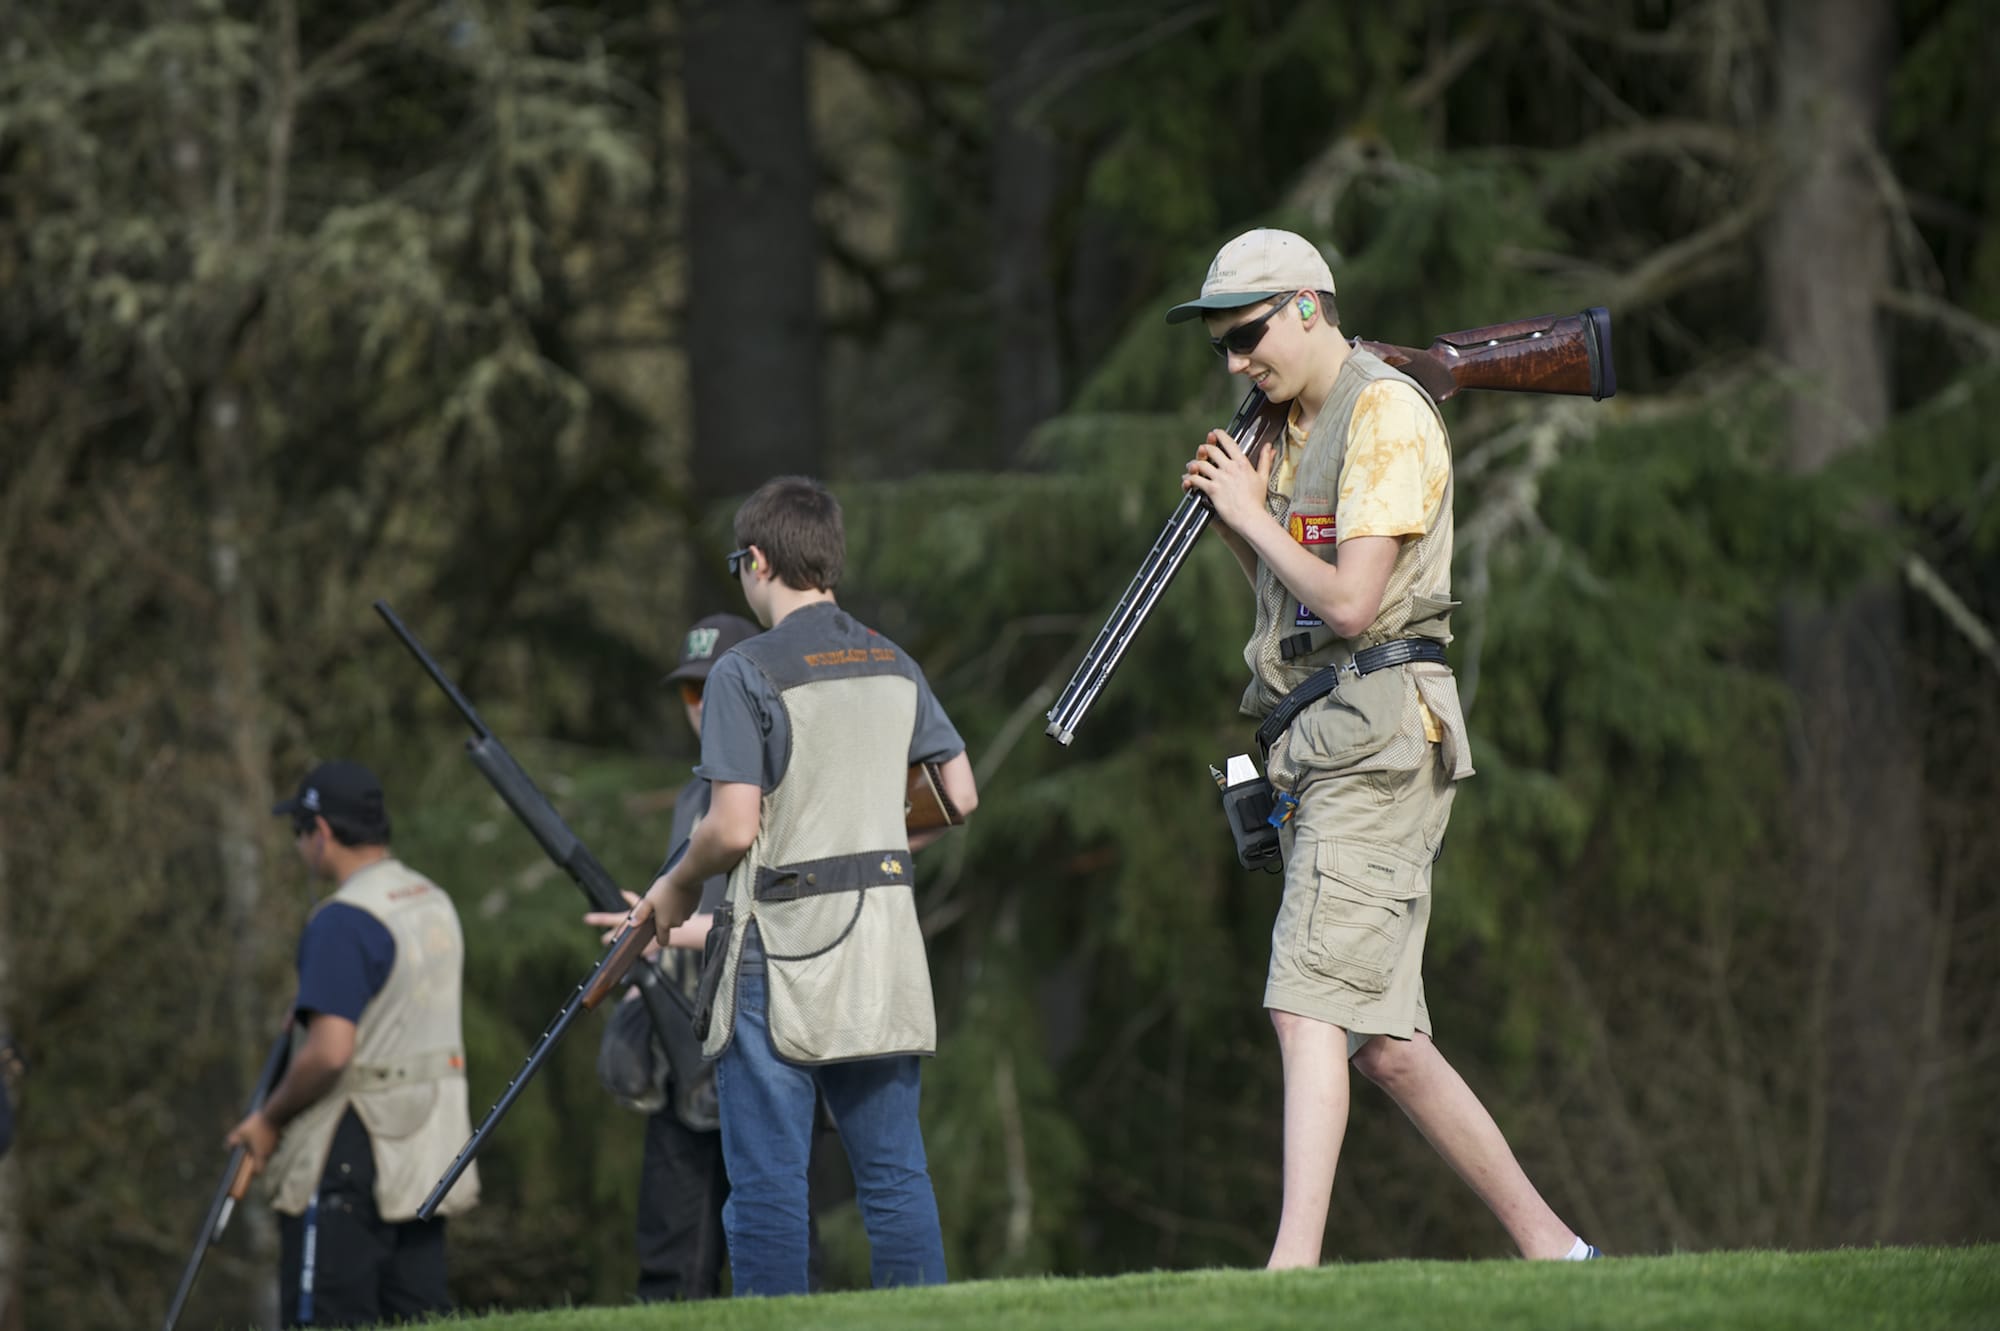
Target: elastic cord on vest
x=1402, y=651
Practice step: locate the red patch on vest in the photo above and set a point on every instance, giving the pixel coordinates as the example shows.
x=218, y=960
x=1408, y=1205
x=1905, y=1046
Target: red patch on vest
x=1311, y=528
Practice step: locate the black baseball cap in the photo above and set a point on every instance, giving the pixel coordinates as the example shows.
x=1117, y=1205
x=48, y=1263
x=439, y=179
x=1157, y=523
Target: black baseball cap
x=706, y=642
x=342, y=791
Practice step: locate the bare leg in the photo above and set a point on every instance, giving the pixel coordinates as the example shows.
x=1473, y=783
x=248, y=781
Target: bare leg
x=1445, y=1110
x=1315, y=1058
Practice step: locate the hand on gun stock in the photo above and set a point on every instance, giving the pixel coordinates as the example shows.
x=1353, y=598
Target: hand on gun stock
x=611, y=921
x=259, y=1138
x=661, y=910
x=1232, y=483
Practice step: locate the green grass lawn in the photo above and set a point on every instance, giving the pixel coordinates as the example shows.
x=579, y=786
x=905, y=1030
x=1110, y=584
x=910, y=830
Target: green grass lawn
x=1876, y=1287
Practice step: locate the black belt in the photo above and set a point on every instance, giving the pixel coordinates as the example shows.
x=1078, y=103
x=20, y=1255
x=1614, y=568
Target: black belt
x=1401, y=651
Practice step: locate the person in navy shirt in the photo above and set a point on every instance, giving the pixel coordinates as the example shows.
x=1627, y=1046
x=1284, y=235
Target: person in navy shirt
x=348, y=1257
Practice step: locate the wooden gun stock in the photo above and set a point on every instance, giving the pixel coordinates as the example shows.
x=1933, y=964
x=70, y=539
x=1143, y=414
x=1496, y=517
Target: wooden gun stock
x=1545, y=354
x=925, y=805
x=626, y=949
x=246, y=1169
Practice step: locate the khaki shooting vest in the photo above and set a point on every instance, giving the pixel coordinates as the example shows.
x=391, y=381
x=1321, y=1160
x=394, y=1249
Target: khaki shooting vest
x=1374, y=722
x=828, y=881
x=407, y=1077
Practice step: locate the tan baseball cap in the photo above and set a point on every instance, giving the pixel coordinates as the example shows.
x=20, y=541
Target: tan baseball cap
x=1255, y=266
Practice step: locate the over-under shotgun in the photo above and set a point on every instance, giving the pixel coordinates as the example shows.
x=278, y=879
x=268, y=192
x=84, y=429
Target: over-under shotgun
x=1541, y=355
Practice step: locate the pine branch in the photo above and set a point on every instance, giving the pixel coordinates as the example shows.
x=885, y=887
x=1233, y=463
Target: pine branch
x=1087, y=62
x=1926, y=580
x=1694, y=259
x=332, y=65
x=1961, y=323
x=1467, y=46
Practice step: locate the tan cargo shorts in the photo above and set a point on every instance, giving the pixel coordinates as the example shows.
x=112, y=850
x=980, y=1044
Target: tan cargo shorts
x=1348, y=944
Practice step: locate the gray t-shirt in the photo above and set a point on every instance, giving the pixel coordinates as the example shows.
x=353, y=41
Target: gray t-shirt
x=746, y=736
x=691, y=804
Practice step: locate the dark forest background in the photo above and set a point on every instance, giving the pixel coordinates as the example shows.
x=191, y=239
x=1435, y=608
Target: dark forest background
x=493, y=308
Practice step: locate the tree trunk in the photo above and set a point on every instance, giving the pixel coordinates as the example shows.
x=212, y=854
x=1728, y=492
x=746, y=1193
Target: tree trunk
x=12, y=1233
x=208, y=178
x=752, y=328
x=243, y=800
x=1027, y=368
x=1858, y=834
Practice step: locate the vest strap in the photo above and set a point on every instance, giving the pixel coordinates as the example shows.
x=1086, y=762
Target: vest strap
x=1299, y=644
x=841, y=873
x=1402, y=651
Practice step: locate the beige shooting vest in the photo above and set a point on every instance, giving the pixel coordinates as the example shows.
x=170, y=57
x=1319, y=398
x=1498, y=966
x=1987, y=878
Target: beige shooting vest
x=828, y=879
x=1372, y=723
x=407, y=1077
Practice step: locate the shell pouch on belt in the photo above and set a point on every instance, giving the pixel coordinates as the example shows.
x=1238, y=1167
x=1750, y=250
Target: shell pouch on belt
x=1342, y=730
x=714, y=956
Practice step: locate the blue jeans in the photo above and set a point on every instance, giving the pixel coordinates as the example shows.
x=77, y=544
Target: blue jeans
x=767, y=1107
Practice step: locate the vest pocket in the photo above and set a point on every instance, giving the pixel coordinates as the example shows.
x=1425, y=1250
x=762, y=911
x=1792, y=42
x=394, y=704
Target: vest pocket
x=1361, y=913
x=1430, y=617
x=397, y=1111
x=868, y=998
x=1351, y=724
x=714, y=959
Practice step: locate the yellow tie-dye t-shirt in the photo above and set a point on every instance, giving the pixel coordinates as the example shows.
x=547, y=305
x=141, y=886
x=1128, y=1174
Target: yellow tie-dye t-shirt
x=1397, y=464
x=1395, y=471
x=1396, y=467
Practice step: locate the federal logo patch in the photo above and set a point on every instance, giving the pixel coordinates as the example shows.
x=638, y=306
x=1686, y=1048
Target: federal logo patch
x=1304, y=618
x=1311, y=528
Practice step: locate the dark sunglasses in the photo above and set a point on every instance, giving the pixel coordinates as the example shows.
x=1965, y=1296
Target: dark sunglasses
x=304, y=827
x=735, y=559
x=1243, y=339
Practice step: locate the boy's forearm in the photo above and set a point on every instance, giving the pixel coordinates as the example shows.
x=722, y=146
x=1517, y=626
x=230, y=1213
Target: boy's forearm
x=304, y=1084
x=1246, y=557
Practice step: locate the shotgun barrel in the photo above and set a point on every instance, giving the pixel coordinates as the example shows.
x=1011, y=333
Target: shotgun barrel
x=625, y=950
x=1254, y=422
x=670, y=1010
x=234, y=1183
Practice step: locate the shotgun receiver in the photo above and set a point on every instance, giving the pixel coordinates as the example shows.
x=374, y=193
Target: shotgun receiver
x=235, y=1180
x=1541, y=355
x=671, y=1013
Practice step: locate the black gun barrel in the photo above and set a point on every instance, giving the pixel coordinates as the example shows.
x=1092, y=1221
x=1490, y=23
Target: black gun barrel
x=621, y=955
x=541, y=1050
x=229, y=1187
x=433, y=669
x=671, y=1011
x=532, y=807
